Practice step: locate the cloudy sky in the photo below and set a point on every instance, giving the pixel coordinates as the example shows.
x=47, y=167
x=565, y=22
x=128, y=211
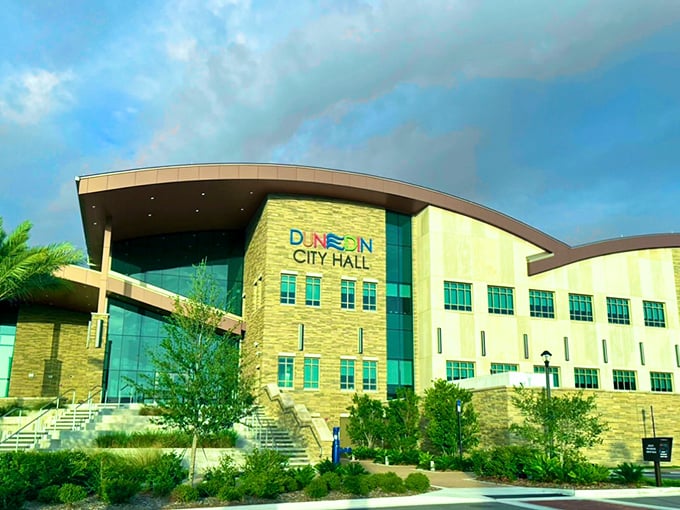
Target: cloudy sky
x=563, y=114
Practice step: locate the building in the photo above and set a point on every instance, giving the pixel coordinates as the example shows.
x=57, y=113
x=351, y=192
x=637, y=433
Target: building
x=344, y=283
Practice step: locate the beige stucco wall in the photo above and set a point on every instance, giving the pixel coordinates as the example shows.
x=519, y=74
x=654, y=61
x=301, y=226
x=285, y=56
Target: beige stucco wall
x=329, y=331
x=457, y=248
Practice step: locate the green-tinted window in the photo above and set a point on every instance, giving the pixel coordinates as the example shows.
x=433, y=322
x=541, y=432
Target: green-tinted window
x=370, y=375
x=313, y=291
x=624, y=380
x=554, y=372
x=501, y=300
x=370, y=296
x=654, y=314
x=288, y=283
x=661, y=381
x=311, y=380
x=347, y=294
x=542, y=304
x=499, y=368
x=580, y=307
x=586, y=378
x=458, y=296
x=618, y=311
x=346, y=374
x=286, y=371
x=456, y=370
x=8, y=330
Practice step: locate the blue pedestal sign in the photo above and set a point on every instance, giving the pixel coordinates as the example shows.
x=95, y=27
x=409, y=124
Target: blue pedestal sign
x=657, y=449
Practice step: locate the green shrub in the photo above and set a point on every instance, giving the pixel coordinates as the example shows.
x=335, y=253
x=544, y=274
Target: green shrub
x=164, y=439
x=222, y=477
x=629, y=473
x=424, y=459
x=387, y=482
x=264, y=474
x=70, y=493
x=303, y=475
x=184, y=494
x=317, y=488
x=352, y=469
x=504, y=462
x=165, y=473
x=332, y=480
x=586, y=473
x=356, y=485
x=121, y=479
x=229, y=493
x=49, y=494
x=326, y=466
x=363, y=452
x=417, y=482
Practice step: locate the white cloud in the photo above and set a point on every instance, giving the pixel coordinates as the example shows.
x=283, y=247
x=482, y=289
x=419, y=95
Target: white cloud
x=28, y=97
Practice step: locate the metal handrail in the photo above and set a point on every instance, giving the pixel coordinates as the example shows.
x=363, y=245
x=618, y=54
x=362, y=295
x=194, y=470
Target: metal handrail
x=256, y=424
x=45, y=410
x=90, y=396
x=8, y=413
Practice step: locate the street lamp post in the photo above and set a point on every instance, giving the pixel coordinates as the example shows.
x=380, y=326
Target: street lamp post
x=548, y=426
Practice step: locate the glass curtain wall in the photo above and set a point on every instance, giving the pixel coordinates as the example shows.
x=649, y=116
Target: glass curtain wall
x=399, y=303
x=167, y=261
x=8, y=330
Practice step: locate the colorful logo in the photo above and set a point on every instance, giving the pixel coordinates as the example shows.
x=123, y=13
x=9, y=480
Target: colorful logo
x=330, y=241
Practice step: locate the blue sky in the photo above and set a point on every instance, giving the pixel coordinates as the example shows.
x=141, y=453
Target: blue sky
x=564, y=115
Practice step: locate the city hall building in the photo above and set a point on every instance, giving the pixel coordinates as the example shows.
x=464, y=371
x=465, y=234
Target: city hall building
x=342, y=283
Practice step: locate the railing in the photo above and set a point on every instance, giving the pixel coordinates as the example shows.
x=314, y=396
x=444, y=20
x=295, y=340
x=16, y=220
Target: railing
x=263, y=433
x=90, y=395
x=38, y=422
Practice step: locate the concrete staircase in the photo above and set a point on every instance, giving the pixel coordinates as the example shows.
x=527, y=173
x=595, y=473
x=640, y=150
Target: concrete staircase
x=267, y=434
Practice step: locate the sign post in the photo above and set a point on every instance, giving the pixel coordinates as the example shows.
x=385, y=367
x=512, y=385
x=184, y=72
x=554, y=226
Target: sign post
x=657, y=450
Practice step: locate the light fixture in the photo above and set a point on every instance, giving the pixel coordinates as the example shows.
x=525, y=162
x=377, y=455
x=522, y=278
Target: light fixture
x=546, y=356
x=196, y=210
x=153, y=198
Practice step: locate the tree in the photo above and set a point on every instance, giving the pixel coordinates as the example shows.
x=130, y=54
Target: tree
x=25, y=269
x=366, y=421
x=439, y=423
x=561, y=426
x=202, y=383
x=402, y=416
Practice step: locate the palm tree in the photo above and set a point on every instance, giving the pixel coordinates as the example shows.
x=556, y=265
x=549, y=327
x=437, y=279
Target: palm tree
x=25, y=269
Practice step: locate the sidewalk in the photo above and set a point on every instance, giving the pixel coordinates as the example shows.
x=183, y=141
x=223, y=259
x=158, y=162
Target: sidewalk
x=443, y=479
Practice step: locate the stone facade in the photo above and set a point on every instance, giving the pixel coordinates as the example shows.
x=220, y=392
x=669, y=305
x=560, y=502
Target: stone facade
x=52, y=354
x=628, y=415
x=330, y=332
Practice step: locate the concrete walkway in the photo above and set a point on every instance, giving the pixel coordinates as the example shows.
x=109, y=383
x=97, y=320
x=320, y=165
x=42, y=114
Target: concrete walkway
x=443, y=479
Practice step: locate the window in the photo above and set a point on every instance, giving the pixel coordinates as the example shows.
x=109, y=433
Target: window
x=456, y=370
x=347, y=288
x=311, y=380
x=624, y=380
x=654, y=314
x=288, y=289
x=499, y=368
x=370, y=296
x=661, y=381
x=286, y=371
x=580, y=307
x=586, y=378
x=370, y=375
x=554, y=372
x=617, y=311
x=458, y=296
x=346, y=374
x=542, y=304
x=501, y=300
x=313, y=291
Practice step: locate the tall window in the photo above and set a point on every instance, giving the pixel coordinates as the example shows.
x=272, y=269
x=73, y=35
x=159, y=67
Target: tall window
x=347, y=300
x=654, y=314
x=370, y=379
x=313, y=291
x=618, y=311
x=624, y=380
x=580, y=307
x=499, y=368
x=542, y=304
x=586, y=378
x=456, y=370
x=288, y=289
x=370, y=295
x=501, y=300
x=661, y=381
x=458, y=296
x=346, y=374
x=311, y=380
x=286, y=365
x=554, y=372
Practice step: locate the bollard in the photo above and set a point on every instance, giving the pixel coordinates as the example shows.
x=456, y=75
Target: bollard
x=431, y=465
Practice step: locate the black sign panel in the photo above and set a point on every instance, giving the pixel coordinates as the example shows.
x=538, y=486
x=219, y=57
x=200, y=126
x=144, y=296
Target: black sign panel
x=657, y=449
